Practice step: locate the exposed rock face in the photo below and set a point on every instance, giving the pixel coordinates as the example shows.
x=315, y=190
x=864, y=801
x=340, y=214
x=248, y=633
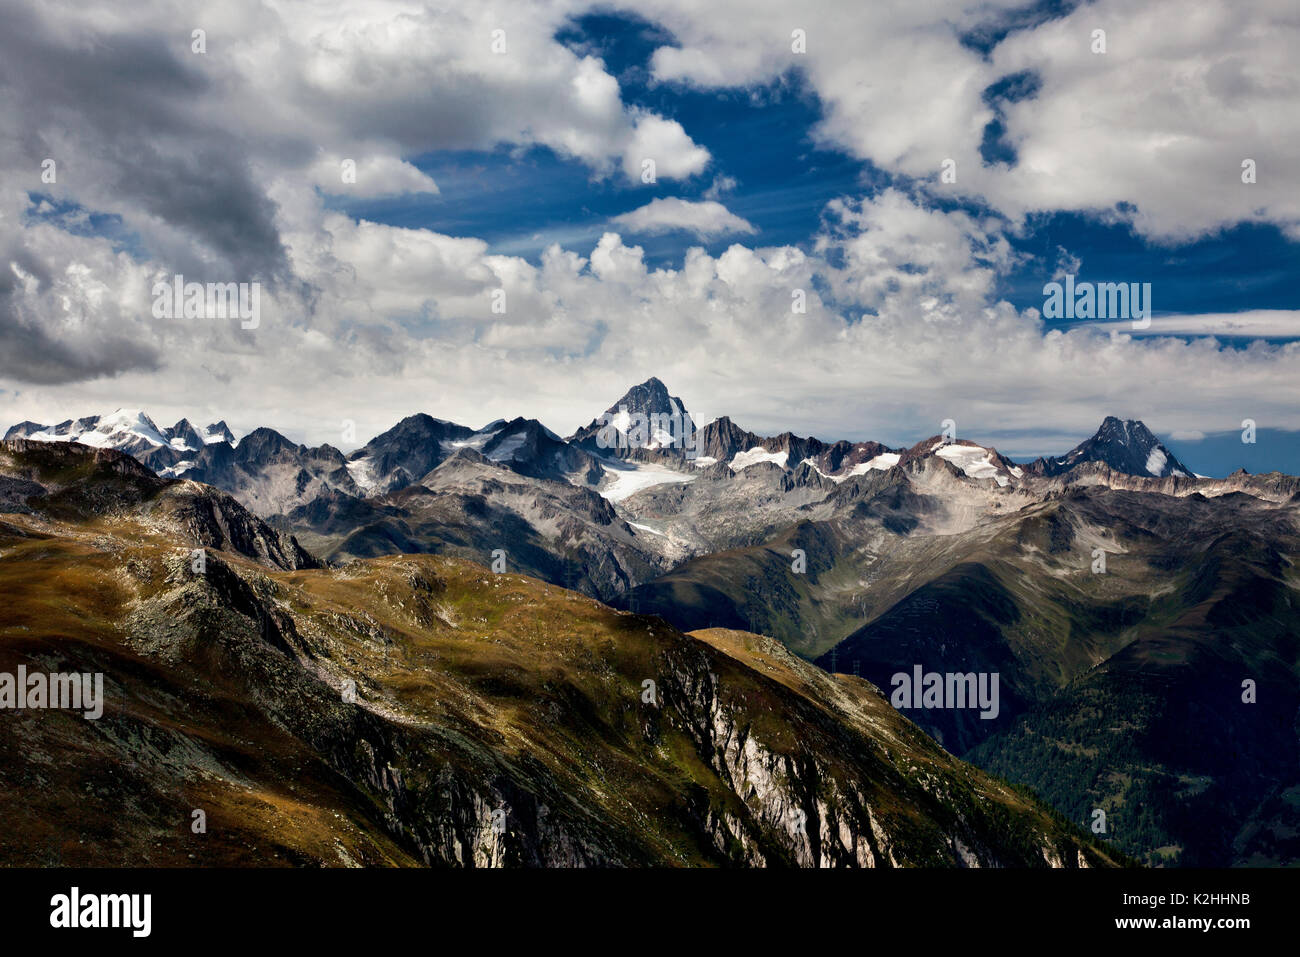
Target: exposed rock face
x=270, y=474
x=213, y=519
x=73, y=482
x=408, y=450
x=472, y=507
x=1123, y=445
x=647, y=400
x=425, y=711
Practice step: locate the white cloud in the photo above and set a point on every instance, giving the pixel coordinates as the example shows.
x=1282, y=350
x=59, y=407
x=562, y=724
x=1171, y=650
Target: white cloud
x=1162, y=120
x=146, y=129
x=705, y=219
x=1248, y=324
x=896, y=252
x=720, y=186
x=369, y=177
x=1067, y=264
x=666, y=144
x=214, y=163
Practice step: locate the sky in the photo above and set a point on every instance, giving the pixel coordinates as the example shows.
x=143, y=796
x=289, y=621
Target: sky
x=851, y=219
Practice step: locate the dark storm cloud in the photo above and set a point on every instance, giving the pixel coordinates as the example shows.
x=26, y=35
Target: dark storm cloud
x=127, y=106
x=30, y=353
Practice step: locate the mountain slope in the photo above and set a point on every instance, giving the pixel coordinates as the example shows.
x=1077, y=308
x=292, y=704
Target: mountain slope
x=473, y=507
x=1121, y=690
x=497, y=721
x=73, y=483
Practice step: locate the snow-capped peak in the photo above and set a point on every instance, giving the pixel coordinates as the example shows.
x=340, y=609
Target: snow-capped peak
x=217, y=432
x=122, y=427
x=1125, y=445
x=974, y=460
x=128, y=430
x=646, y=417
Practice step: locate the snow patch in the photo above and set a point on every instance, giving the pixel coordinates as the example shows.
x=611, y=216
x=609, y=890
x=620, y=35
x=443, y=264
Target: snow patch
x=362, y=472
x=211, y=436
x=881, y=463
x=177, y=470
x=507, y=449
x=743, y=460
x=975, y=461
x=479, y=439
x=647, y=528
x=631, y=478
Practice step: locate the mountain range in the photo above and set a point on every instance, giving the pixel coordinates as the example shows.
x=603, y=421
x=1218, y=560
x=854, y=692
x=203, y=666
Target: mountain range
x=272, y=474
x=1123, y=601
x=418, y=710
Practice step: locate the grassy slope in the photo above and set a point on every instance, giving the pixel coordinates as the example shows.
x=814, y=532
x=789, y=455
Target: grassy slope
x=464, y=677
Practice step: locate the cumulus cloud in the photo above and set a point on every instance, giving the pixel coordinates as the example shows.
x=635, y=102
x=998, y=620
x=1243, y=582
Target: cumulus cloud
x=669, y=214
x=180, y=143
x=1160, y=122
x=1248, y=324
x=1163, y=120
x=369, y=177
x=215, y=164
x=897, y=253
x=663, y=143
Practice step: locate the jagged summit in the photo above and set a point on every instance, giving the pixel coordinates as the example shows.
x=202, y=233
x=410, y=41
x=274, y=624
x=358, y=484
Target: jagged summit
x=1124, y=445
x=128, y=430
x=646, y=417
x=644, y=439
x=650, y=396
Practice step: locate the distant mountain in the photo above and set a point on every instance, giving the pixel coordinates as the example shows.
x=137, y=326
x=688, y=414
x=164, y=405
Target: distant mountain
x=217, y=432
x=530, y=448
x=1125, y=445
x=471, y=507
x=414, y=446
x=268, y=472
x=648, y=430
x=966, y=458
x=127, y=430
x=725, y=442
x=946, y=554
x=646, y=417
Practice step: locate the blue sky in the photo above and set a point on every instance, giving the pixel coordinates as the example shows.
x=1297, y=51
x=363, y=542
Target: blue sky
x=521, y=201
x=763, y=139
